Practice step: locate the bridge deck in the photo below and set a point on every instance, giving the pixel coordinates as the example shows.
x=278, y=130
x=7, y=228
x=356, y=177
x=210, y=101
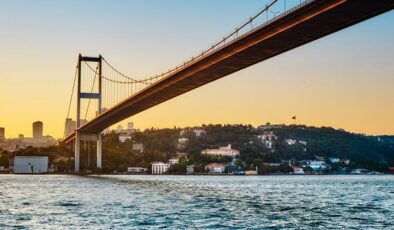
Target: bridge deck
x=297, y=27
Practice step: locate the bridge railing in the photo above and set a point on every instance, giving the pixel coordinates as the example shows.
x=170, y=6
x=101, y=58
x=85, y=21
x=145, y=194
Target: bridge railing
x=237, y=33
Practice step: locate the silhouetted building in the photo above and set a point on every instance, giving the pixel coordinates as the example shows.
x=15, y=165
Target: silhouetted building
x=69, y=127
x=130, y=125
x=2, y=133
x=38, y=128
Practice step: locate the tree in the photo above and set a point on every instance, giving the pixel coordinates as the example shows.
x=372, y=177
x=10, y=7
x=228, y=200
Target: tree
x=178, y=168
x=4, y=161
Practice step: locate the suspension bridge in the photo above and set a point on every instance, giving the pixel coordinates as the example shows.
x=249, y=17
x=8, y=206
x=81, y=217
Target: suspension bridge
x=106, y=96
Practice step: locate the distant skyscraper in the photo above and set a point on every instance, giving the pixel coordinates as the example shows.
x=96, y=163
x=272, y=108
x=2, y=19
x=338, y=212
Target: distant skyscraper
x=70, y=127
x=83, y=122
x=102, y=111
x=130, y=125
x=119, y=129
x=38, y=128
x=2, y=133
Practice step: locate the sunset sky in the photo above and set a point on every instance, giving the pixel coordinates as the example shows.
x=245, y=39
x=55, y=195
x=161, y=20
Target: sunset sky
x=344, y=80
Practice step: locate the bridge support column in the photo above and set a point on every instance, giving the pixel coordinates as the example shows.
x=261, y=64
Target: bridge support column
x=99, y=150
x=77, y=151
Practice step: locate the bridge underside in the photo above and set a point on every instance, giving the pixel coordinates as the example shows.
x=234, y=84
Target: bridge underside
x=298, y=27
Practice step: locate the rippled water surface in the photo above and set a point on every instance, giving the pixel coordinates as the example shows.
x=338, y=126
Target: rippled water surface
x=124, y=202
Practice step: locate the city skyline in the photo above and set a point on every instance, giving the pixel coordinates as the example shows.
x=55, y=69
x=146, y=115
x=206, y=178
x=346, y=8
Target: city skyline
x=342, y=80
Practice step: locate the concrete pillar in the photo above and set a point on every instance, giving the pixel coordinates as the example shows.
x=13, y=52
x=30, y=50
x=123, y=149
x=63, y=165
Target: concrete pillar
x=77, y=151
x=99, y=150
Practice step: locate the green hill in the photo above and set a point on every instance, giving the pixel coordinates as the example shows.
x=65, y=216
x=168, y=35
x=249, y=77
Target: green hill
x=365, y=151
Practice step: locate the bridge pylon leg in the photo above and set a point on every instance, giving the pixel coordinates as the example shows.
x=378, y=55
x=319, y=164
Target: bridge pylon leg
x=99, y=150
x=77, y=151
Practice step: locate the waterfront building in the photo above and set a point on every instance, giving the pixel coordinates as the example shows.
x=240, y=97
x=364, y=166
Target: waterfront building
x=234, y=169
x=173, y=161
x=160, y=168
x=136, y=170
x=38, y=128
x=30, y=164
x=3, y=169
x=317, y=165
x=359, y=171
x=222, y=151
x=251, y=172
x=215, y=168
x=190, y=169
x=298, y=171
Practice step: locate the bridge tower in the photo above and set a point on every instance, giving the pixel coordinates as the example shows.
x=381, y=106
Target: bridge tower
x=80, y=136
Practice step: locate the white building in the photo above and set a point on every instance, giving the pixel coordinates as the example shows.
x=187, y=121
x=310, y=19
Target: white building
x=138, y=147
x=334, y=160
x=182, y=140
x=123, y=137
x=291, y=141
x=215, y=168
x=136, y=170
x=267, y=138
x=303, y=142
x=298, y=171
x=130, y=128
x=160, y=168
x=30, y=164
x=317, y=165
x=173, y=161
x=190, y=169
x=182, y=143
x=199, y=132
x=222, y=151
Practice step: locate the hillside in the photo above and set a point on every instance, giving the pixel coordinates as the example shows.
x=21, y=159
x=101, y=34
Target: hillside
x=269, y=147
x=365, y=151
